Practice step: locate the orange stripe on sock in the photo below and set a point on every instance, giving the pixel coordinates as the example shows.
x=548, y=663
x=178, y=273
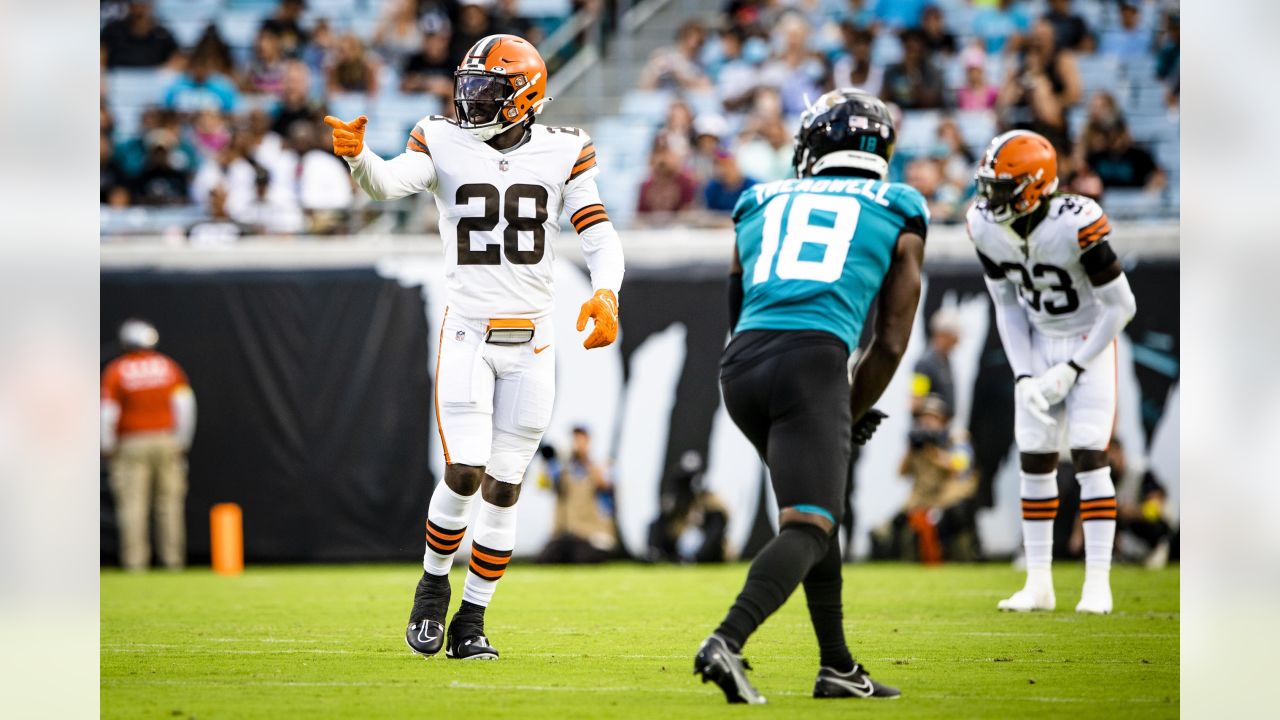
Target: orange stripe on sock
x=488, y=574
x=489, y=558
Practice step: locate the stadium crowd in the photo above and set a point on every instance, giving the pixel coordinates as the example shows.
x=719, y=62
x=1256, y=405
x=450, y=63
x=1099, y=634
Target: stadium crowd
x=215, y=115
x=954, y=72
x=233, y=129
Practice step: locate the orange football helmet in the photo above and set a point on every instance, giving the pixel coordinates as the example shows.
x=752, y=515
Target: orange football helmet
x=501, y=81
x=1018, y=169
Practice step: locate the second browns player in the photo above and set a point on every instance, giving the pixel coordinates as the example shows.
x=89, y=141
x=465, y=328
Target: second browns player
x=501, y=183
x=1061, y=300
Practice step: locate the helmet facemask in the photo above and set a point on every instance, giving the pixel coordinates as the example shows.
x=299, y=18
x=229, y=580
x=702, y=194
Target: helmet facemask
x=1006, y=198
x=485, y=101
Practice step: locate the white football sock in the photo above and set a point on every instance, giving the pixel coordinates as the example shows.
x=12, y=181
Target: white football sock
x=1039, y=508
x=1098, y=515
x=447, y=517
x=492, y=541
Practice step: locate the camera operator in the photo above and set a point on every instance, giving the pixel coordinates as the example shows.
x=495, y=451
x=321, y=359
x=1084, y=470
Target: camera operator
x=937, y=517
x=584, y=527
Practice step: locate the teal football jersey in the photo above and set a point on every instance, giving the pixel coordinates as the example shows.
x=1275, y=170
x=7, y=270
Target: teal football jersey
x=815, y=251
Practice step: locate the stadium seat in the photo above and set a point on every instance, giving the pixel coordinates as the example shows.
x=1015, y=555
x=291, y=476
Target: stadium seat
x=1151, y=128
x=918, y=132
x=1099, y=72
x=1136, y=203
x=138, y=86
x=977, y=127
x=239, y=29
x=348, y=105
x=544, y=8
x=650, y=105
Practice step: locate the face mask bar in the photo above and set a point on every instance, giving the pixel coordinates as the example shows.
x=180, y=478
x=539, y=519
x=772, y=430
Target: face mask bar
x=481, y=97
x=998, y=194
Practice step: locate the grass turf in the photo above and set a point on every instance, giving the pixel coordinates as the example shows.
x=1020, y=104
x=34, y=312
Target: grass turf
x=618, y=641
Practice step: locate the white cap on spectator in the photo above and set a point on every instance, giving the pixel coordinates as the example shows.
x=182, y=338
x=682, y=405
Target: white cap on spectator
x=710, y=124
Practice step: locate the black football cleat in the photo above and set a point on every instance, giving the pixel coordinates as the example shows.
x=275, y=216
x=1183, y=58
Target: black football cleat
x=716, y=663
x=467, y=640
x=856, y=684
x=425, y=634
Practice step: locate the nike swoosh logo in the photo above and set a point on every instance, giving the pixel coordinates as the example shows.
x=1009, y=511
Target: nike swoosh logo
x=538, y=350
x=424, y=637
x=863, y=688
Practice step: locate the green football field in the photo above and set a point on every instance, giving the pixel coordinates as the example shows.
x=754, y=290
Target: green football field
x=618, y=641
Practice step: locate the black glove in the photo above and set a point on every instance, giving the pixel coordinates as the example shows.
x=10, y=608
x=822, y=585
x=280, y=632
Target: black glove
x=866, y=426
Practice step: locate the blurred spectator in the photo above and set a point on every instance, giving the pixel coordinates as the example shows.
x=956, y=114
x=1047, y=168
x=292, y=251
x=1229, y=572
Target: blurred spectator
x=900, y=13
x=914, y=83
x=473, y=24
x=318, y=53
x=677, y=130
x=430, y=69
x=676, y=67
x=230, y=170
x=398, y=34
x=691, y=521
x=1143, y=514
x=736, y=77
x=265, y=72
x=709, y=131
x=765, y=148
x=1069, y=29
x=794, y=70
x=148, y=421
x=286, y=24
x=111, y=177
x=977, y=93
x=584, y=528
x=272, y=210
x=132, y=153
x=925, y=174
x=210, y=132
x=669, y=188
x=137, y=40
x=932, y=374
x=722, y=191
x=324, y=181
x=219, y=228
x=937, y=519
x=1001, y=24
x=162, y=181
x=937, y=39
x=212, y=47
x=295, y=100
x=955, y=159
x=854, y=68
x=1130, y=39
x=1121, y=164
x=508, y=19
x=1168, y=56
x=200, y=88
x=1040, y=88
x=354, y=70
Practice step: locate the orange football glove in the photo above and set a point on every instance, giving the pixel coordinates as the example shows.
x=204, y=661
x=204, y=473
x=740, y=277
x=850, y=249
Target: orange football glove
x=603, y=308
x=348, y=138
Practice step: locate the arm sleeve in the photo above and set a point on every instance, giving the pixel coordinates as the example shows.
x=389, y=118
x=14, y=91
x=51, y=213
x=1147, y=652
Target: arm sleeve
x=736, y=296
x=1118, y=308
x=184, y=414
x=411, y=172
x=601, y=246
x=1012, y=324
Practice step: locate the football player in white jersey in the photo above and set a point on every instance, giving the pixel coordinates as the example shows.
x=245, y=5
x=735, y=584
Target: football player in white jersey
x=1061, y=299
x=500, y=182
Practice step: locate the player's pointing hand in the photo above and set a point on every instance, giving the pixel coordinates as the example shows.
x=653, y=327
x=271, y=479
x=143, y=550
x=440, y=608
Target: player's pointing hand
x=348, y=137
x=603, y=308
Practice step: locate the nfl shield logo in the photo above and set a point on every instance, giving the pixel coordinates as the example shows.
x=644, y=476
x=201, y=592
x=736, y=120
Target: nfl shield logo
x=503, y=165
x=461, y=334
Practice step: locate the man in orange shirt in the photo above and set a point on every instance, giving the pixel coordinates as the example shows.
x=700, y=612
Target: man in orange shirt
x=148, y=420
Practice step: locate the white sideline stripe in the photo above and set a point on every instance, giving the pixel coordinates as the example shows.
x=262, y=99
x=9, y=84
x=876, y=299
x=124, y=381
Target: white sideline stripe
x=598, y=689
